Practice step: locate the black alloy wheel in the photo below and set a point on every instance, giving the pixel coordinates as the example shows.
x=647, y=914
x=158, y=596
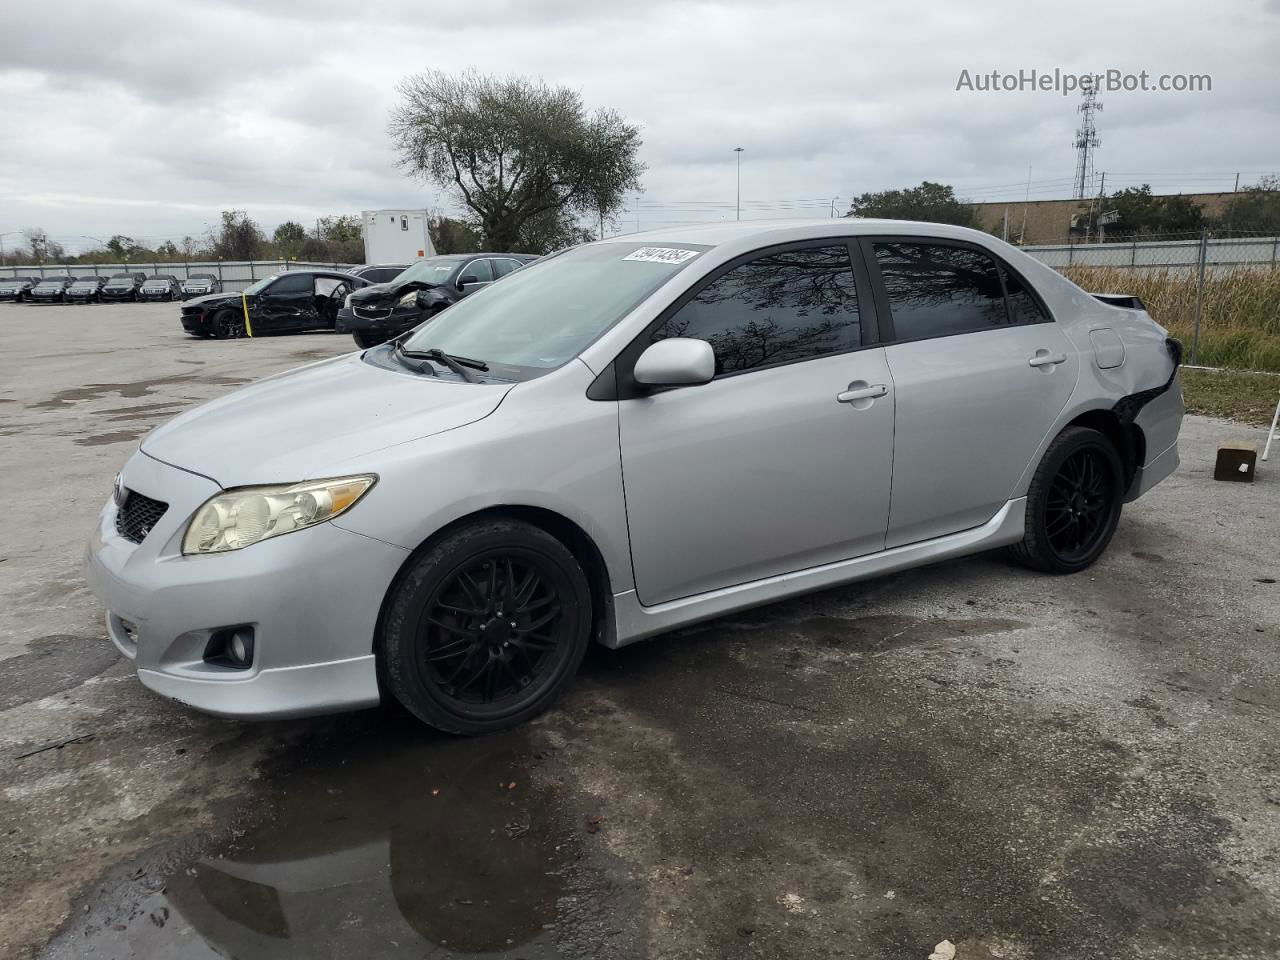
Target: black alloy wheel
x=487, y=627
x=228, y=324
x=1073, y=504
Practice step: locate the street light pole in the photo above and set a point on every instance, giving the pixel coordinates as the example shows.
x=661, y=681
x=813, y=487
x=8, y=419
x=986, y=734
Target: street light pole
x=738, y=203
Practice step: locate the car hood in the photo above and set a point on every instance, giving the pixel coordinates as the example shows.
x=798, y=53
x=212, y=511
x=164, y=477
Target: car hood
x=303, y=423
x=214, y=300
x=384, y=293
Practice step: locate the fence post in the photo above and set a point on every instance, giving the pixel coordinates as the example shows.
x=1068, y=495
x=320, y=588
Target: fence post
x=1133, y=253
x=1274, y=242
x=1195, y=336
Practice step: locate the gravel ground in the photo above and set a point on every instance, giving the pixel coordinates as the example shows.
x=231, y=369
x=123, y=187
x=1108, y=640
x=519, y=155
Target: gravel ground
x=1026, y=766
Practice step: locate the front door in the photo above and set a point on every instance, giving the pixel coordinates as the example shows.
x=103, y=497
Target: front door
x=981, y=372
x=781, y=462
x=287, y=304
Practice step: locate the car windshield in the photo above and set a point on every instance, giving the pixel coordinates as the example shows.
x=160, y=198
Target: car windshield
x=544, y=315
x=198, y=279
x=434, y=271
x=259, y=285
x=85, y=283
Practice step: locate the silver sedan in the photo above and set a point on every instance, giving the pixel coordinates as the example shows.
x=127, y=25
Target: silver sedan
x=624, y=438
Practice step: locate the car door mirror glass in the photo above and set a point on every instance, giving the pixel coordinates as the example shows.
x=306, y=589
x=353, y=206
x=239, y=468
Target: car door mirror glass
x=469, y=278
x=676, y=362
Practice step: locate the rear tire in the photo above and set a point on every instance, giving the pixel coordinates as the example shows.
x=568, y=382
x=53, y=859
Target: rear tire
x=1073, y=504
x=486, y=628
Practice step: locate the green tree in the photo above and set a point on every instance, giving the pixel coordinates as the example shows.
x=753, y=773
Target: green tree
x=288, y=239
x=513, y=149
x=1140, y=212
x=1254, y=209
x=451, y=235
x=237, y=238
x=123, y=248
x=931, y=202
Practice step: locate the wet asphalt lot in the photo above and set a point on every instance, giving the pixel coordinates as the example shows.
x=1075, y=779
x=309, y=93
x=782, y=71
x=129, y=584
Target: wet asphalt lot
x=1027, y=766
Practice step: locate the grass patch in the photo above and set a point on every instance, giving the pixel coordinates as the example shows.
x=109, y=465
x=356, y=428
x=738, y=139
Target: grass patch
x=1240, y=314
x=1231, y=394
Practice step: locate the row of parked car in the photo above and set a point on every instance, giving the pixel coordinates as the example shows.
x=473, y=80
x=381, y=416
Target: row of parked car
x=373, y=303
x=118, y=287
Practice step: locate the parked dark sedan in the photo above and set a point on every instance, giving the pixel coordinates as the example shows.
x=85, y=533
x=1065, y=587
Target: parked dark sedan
x=378, y=313
x=200, y=284
x=161, y=286
x=17, y=289
x=51, y=289
x=85, y=290
x=284, y=303
x=122, y=286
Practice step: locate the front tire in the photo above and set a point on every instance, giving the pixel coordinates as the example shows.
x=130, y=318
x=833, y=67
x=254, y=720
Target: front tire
x=228, y=325
x=1073, y=504
x=486, y=628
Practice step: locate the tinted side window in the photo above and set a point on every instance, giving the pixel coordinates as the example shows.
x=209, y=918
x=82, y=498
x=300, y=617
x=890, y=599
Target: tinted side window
x=382, y=274
x=502, y=267
x=293, y=283
x=479, y=269
x=780, y=308
x=1022, y=306
x=937, y=291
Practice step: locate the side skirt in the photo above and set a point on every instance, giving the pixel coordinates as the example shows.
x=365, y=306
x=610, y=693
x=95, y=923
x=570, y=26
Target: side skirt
x=635, y=621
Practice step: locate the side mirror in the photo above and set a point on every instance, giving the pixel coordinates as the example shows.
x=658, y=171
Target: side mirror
x=676, y=362
x=469, y=278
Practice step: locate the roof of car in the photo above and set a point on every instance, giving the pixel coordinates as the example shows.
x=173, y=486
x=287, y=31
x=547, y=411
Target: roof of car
x=758, y=232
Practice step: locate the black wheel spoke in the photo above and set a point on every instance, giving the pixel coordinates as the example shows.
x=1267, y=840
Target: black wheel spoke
x=477, y=659
x=1078, y=502
x=448, y=627
x=450, y=650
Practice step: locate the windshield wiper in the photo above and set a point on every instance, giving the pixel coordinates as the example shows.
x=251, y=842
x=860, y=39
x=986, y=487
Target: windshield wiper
x=457, y=364
x=410, y=355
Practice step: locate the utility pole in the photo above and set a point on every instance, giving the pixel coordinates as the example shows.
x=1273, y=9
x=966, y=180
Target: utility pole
x=1086, y=141
x=1022, y=234
x=738, y=203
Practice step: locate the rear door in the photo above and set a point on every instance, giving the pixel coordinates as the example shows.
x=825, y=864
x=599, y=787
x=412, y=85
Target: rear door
x=782, y=461
x=288, y=304
x=980, y=371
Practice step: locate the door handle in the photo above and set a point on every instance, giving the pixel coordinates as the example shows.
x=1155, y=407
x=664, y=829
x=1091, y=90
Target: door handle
x=862, y=393
x=1044, y=358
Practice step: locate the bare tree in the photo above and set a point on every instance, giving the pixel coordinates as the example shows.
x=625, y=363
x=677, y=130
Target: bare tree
x=514, y=150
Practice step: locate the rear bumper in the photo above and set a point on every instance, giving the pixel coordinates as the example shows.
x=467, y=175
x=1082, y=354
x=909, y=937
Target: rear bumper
x=312, y=599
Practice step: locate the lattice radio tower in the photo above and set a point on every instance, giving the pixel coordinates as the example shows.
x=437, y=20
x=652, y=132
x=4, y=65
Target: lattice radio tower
x=1086, y=142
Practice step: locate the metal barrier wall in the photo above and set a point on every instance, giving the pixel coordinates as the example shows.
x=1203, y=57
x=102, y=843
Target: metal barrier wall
x=234, y=274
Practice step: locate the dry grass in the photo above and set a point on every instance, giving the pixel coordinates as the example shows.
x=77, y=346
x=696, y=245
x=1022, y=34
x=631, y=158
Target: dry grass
x=1231, y=394
x=1240, y=315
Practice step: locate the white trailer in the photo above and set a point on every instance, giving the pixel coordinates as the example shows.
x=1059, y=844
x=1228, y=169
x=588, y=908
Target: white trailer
x=395, y=236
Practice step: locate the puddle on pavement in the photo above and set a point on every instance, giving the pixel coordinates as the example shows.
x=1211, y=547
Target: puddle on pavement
x=396, y=842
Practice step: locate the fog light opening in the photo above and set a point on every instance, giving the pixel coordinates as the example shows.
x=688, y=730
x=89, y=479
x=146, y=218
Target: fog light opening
x=231, y=647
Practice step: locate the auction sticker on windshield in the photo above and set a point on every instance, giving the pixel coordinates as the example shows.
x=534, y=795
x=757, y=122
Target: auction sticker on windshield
x=661, y=255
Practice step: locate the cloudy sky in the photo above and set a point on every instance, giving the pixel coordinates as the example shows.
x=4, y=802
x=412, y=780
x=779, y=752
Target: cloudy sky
x=148, y=118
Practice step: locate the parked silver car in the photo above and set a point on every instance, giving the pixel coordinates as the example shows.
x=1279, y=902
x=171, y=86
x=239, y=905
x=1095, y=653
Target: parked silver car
x=621, y=439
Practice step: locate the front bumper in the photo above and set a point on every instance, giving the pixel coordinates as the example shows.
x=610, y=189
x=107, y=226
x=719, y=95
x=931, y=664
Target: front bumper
x=10, y=295
x=197, y=322
x=397, y=322
x=312, y=598
x=115, y=296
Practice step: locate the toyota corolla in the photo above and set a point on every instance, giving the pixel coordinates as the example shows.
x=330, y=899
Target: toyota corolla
x=621, y=439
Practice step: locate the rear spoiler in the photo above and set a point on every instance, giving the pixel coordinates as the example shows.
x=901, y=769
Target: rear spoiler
x=1126, y=300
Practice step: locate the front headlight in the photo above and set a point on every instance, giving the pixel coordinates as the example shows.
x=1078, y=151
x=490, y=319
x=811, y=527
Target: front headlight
x=238, y=518
x=409, y=299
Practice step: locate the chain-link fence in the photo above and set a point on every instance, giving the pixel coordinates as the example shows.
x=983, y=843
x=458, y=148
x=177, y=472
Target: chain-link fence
x=234, y=275
x=1219, y=294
